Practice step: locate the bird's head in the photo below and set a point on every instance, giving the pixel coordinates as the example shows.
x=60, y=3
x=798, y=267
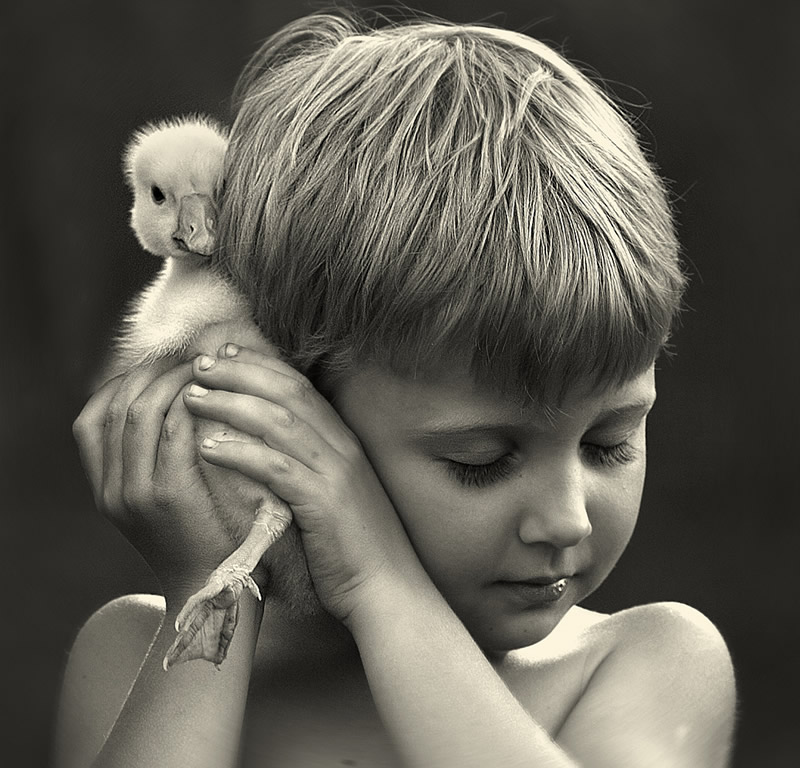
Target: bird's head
x=174, y=169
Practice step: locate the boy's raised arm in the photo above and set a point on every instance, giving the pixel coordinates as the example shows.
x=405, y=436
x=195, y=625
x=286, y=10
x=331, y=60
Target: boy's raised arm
x=119, y=706
x=664, y=696
x=117, y=710
x=440, y=698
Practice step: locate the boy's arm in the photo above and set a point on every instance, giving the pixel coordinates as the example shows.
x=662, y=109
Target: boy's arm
x=137, y=445
x=440, y=699
x=120, y=708
x=663, y=697
x=102, y=666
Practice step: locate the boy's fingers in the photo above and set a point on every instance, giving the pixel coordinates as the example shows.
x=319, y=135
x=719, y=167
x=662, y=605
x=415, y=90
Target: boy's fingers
x=264, y=420
x=245, y=375
x=177, y=449
x=117, y=415
x=274, y=381
x=286, y=477
x=88, y=431
x=231, y=351
x=144, y=425
x=238, y=354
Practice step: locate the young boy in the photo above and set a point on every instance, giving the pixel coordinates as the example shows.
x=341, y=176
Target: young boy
x=470, y=270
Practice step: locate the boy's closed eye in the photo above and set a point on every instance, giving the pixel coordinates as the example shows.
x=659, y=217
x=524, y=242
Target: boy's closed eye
x=616, y=438
x=610, y=455
x=477, y=471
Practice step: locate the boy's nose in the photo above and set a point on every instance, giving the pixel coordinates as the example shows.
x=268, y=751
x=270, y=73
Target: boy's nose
x=555, y=511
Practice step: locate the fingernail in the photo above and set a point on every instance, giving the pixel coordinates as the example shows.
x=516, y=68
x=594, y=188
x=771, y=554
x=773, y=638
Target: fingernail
x=209, y=443
x=231, y=350
x=195, y=390
x=204, y=362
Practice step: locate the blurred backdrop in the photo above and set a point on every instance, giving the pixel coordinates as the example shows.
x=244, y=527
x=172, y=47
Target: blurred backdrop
x=715, y=88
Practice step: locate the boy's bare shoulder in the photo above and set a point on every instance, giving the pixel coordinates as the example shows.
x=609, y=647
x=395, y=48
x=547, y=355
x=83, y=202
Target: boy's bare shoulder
x=116, y=637
x=662, y=624
x=102, y=666
x=662, y=674
x=668, y=639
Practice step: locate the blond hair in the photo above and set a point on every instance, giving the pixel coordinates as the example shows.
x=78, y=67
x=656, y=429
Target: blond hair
x=406, y=194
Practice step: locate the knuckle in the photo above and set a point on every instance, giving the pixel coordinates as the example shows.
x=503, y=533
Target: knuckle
x=135, y=412
x=134, y=495
x=300, y=388
x=79, y=427
x=280, y=464
x=115, y=414
x=284, y=417
x=169, y=429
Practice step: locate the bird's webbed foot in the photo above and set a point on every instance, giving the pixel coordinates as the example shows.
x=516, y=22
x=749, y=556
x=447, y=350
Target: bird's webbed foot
x=206, y=623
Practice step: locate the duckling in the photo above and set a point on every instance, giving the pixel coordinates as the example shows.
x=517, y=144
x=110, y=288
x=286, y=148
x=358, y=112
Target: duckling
x=174, y=169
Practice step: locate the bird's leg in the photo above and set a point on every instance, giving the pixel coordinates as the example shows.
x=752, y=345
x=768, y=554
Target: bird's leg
x=206, y=623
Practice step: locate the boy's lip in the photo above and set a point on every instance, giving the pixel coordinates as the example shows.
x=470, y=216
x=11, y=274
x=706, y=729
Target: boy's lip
x=540, y=581
x=535, y=592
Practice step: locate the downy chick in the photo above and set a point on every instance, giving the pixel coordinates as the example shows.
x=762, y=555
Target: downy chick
x=174, y=169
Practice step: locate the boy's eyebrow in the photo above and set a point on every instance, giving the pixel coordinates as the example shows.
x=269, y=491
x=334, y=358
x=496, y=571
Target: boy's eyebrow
x=639, y=408
x=457, y=429
x=462, y=429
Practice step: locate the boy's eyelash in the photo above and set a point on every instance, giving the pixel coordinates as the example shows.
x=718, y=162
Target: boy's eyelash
x=610, y=455
x=480, y=475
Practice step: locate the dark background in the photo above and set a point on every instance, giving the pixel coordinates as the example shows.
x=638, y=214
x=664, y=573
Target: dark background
x=715, y=84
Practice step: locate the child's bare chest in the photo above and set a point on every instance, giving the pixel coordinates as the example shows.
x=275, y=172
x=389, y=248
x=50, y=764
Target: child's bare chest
x=328, y=719
x=314, y=720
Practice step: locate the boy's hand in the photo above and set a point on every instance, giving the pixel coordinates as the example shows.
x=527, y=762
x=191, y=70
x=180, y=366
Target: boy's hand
x=351, y=534
x=138, y=448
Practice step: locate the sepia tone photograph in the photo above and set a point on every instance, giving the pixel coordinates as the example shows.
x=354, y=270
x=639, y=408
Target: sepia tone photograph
x=400, y=384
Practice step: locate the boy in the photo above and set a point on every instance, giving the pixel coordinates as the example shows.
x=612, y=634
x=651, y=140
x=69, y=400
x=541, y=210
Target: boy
x=470, y=269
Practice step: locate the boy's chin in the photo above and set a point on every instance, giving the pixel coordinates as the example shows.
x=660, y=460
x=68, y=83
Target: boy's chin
x=511, y=633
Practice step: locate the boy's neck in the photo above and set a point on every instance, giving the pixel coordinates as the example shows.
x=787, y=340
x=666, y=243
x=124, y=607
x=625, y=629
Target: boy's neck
x=309, y=638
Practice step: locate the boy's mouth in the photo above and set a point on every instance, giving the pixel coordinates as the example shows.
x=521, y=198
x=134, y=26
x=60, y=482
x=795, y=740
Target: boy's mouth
x=539, y=590
x=544, y=580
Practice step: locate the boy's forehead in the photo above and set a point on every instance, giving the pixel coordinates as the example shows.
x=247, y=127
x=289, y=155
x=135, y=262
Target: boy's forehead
x=451, y=393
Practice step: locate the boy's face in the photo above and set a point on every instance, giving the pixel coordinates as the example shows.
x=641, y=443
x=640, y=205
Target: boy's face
x=500, y=500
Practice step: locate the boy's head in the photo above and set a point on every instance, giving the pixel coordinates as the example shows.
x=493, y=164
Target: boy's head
x=426, y=192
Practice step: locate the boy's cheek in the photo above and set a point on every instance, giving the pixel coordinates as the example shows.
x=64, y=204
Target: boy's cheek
x=612, y=528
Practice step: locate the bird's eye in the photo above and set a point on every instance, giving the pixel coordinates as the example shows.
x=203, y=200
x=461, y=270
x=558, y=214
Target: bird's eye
x=158, y=195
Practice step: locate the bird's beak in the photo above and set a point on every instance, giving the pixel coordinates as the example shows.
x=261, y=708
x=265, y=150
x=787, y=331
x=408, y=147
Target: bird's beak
x=197, y=225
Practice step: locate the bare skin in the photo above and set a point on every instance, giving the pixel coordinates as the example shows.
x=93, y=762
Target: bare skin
x=425, y=655
x=316, y=709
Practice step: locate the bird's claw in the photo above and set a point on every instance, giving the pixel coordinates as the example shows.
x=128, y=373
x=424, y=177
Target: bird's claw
x=205, y=625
